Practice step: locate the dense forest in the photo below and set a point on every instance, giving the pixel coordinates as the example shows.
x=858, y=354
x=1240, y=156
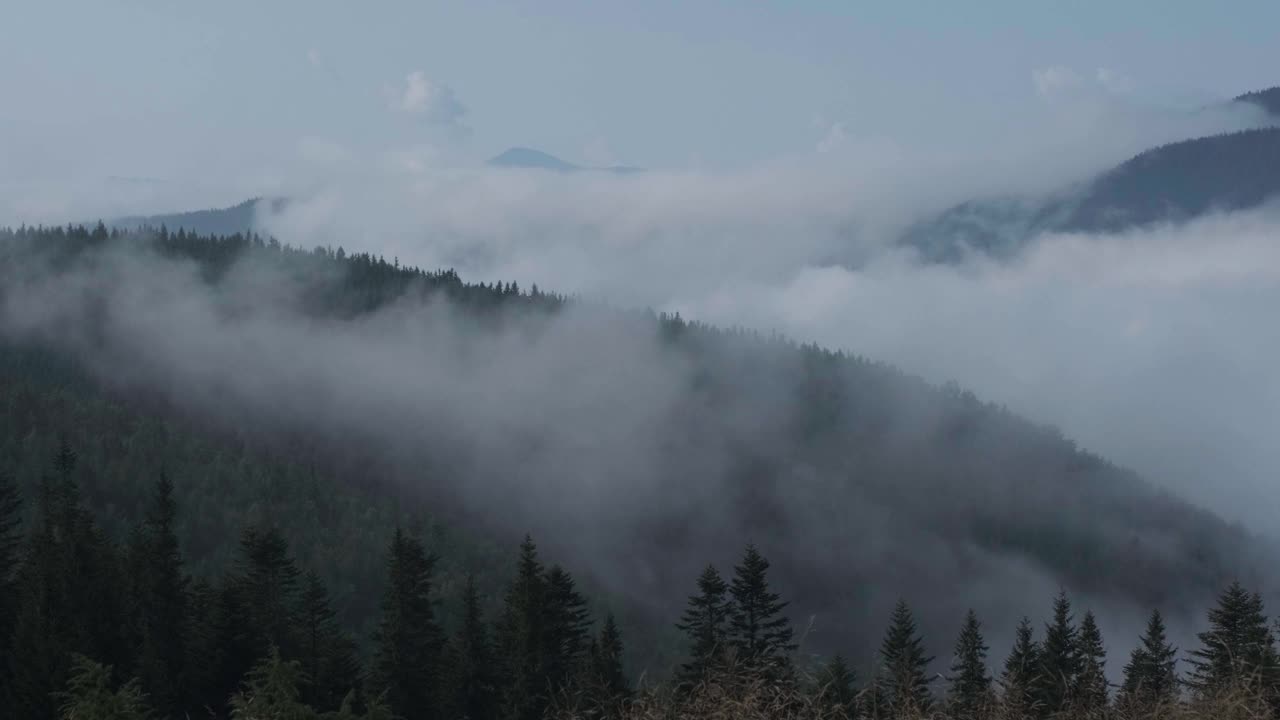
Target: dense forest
x=96, y=629
x=862, y=484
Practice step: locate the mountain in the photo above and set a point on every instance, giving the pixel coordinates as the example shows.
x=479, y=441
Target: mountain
x=1171, y=183
x=528, y=158
x=239, y=218
x=333, y=395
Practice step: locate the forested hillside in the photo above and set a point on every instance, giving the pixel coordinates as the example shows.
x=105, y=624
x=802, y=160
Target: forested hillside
x=1172, y=183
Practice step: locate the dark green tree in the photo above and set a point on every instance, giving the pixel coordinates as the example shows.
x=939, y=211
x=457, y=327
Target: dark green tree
x=567, y=629
x=836, y=688
x=1059, y=660
x=90, y=695
x=1018, y=678
x=266, y=581
x=904, y=684
x=408, y=643
x=160, y=603
x=1238, y=648
x=969, y=695
x=1090, y=694
x=704, y=622
x=326, y=652
x=606, y=662
x=270, y=691
x=1151, y=677
x=10, y=559
x=473, y=681
x=759, y=633
x=522, y=642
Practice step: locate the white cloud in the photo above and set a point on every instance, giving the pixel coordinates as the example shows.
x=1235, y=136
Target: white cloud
x=433, y=101
x=1055, y=81
x=314, y=57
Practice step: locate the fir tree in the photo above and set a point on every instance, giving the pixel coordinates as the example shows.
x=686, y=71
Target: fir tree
x=267, y=584
x=758, y=631
x=704, y=623
x=10, y=558
x=1090, y=691
x=1059, y=660
x=89, y=695
x=522, y=640
x=904, y=686
x=472, y=680
x=567, y=626
x=409, y=644
x=271, y=691
x=969, y=696
x=1150, y=678
x=161, y=603
x=606, y=662
x=1238, y=648
x=327, y=653
x=836, y=689
x=1018, y=679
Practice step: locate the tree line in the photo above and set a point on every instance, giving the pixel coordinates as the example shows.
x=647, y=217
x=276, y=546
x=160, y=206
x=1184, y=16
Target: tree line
x=98, y=629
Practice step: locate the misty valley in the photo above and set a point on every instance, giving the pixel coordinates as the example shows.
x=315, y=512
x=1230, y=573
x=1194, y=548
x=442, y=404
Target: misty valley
x=778, y=389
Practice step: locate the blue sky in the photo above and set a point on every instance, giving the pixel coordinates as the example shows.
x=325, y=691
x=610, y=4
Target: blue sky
x=230, y=89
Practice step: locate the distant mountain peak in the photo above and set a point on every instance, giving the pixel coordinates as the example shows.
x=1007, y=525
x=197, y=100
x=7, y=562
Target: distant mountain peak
x=523, y=157
x=529, y=158
x=1268, y=99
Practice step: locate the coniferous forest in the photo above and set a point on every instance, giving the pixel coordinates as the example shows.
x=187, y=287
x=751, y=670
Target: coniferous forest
x=163, y=558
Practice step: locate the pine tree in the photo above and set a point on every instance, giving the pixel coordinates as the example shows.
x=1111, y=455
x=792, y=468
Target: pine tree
x=69, y=590
x=89, y=695
x=1018, y=679
x=758, y=631
x=1150, y=678
x=522, y=640
x=10, y=559
x=1059, y=660
x=327, y=653
x=472, y=678
x=704, y=622
x=904, y=686
x=606, y=662
x=271, y=691
x=1090, y=691
x=161, y=603
x=409, y=643
x=567, y=628
x=969, y=695
x=837, y=692
x=1238, y=648
x=267, y=584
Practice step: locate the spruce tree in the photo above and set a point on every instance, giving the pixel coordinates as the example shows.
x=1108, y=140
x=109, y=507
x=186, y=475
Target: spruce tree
x=326, y=652
x=567, y=628
x=472, y=677
x=1238, y=648
x=1150, y=678
x=1018, y=679
x=89, y=694
x=606, y=661
x=1090, y=694
x=10, y=559
x=969, y=696
x=836, y=689
x=759, y=633
x=408, y=643
x=522, y=640
x=161, y=603
x=271, y=692
x=1059, y=660
x=266, y=581
x=704, y=623
x=904, y=685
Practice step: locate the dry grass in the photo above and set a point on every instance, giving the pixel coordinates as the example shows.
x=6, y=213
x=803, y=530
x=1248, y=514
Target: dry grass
x=735, y=697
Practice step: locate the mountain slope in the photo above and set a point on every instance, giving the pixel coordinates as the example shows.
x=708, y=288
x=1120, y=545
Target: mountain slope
x=635, y=448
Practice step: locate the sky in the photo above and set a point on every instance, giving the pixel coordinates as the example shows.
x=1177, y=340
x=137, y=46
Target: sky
x=224, y=97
